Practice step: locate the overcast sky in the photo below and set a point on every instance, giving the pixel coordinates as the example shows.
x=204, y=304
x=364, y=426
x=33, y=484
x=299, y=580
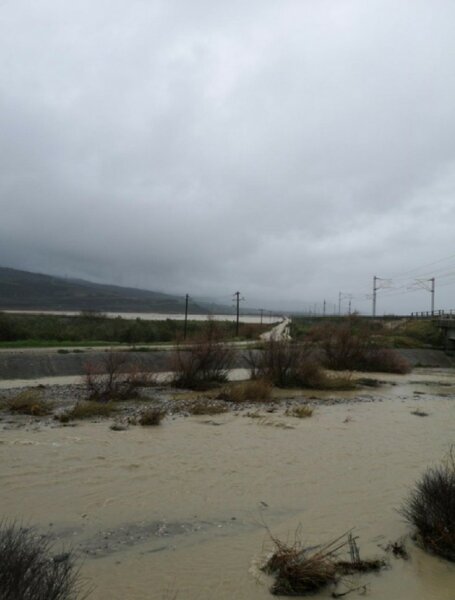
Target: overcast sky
x=288, y=149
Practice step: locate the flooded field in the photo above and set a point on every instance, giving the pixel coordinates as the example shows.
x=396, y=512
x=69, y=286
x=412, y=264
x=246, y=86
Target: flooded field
x=269, y=317
x=181, y=510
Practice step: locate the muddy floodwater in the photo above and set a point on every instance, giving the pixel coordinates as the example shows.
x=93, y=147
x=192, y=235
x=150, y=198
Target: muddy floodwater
x=181, y=510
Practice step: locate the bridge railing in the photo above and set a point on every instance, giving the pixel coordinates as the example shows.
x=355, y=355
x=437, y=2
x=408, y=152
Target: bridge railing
x=436, y=314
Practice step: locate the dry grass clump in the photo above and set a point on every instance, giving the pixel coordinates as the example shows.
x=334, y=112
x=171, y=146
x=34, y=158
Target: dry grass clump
x=87, y=409
x=300, y=571
x=430, y=509
x=301, y=412
x=29, y=402
x=339, y=383
x=255, y=390
x=28, y=571
x=204, y=406
x=151, y=416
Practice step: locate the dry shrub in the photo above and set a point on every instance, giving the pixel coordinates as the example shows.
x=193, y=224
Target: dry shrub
x=287, y=364
x=28, y=571
x=206, y=407
x=204, y=363
x=114, y=378
x=151, y=416
x=86, y=409
x=29, y=402
x=255, y=390
x=283, y=363
x=344, y=346
x=385, y=360
x=350, y=346
x=430, y=509
x=311, y=374
x=301, y=412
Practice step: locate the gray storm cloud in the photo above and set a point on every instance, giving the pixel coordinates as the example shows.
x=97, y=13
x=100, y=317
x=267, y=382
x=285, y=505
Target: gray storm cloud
x=290, y=150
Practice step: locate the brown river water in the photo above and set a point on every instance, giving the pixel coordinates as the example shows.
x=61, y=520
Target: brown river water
x=180, y=510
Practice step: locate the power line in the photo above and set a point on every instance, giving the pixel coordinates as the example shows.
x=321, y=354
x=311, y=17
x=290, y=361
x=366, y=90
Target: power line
x=411, y=271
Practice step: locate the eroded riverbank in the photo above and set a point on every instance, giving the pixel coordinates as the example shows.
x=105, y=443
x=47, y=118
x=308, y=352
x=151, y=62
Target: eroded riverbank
x=181, y=508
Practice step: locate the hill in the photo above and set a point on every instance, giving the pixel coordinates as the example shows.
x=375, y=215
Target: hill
x=22, y=290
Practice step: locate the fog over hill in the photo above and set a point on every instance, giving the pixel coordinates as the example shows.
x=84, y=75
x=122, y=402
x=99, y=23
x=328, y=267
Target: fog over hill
x=23, y=290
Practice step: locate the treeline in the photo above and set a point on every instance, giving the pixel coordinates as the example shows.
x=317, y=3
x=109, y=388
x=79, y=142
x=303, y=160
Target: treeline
x=96, y=327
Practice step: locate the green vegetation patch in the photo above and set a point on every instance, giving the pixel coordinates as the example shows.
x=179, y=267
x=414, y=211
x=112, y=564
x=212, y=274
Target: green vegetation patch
x=96, y=329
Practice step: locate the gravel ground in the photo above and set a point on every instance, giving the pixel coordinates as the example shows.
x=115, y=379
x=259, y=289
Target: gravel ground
x=172, y=401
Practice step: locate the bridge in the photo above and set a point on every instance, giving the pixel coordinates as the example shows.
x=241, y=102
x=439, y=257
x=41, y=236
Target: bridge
x=448, y=328
x=445, y=320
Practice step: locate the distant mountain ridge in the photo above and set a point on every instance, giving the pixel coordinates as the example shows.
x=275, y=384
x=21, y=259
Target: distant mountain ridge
x=23, y=290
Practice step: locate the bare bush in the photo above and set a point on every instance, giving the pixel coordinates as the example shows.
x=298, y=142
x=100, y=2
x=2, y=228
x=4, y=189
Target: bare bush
x=350, y=345
x=203, y=363
x=115, y=377
x=28, y=571
x=386, y=360
x=286, y=364
x=430, y=509
x=344, y=347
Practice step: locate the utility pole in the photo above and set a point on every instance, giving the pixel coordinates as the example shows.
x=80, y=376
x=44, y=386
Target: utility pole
x=432, y=296
x=323, y=308
x=349, y=310
x=375, y=289
x=186, y=317
x=423, y=283
x=237, y=321
x=339, y=303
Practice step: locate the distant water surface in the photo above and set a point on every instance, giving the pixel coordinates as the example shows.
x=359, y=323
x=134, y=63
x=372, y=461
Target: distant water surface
x=267, y=318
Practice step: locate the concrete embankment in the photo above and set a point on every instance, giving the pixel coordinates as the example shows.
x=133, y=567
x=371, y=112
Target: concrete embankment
x=32, y=364
x=419, y=357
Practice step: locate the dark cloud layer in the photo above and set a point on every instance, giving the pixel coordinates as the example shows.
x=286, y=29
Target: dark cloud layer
x=288, y=149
